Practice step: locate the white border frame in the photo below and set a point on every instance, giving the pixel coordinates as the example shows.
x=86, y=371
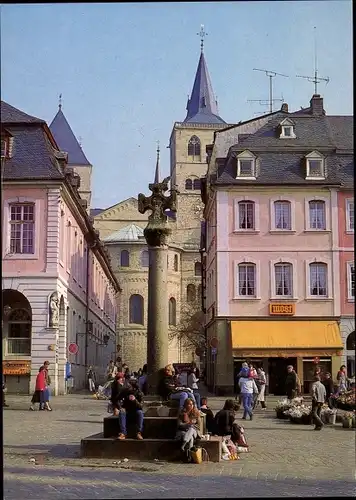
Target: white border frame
x=257, y=279
x=236, y=214
x=307, y=215
x=285, y=260
x=273, y=227
x=315, y=155
x=38, y=208
x=246, y=155
x=328, y=263
x=349, y=264
x=349, y=230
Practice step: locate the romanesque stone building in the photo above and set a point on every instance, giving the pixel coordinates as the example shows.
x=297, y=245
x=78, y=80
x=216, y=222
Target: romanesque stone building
x=121, y=228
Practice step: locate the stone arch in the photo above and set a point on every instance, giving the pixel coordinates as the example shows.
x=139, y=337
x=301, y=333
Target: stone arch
x=17, y=323
x=350, y=341
x=136, y=309
x=194, y=146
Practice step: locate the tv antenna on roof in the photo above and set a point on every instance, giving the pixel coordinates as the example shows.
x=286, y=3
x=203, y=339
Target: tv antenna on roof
x=315, y=79
x=271, y=75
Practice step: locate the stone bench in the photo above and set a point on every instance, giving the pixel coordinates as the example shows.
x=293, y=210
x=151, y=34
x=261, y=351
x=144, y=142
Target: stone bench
x=96, y=446
x=153, y=427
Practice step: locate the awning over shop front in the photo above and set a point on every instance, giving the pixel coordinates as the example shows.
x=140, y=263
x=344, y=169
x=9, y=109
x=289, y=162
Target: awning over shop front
x=286, y=338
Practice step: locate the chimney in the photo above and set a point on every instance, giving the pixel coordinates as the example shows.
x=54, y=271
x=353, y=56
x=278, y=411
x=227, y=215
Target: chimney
x=284, y=107
x=316, y=105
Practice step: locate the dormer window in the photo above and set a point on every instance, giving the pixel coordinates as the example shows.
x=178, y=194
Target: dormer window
x=246, y=165
x=315, y=168
x=287, y=129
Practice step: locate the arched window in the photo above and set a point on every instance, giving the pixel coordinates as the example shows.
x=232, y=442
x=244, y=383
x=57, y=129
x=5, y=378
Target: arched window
x=317, y=214
x=318, y=276
x=194, y=146
x=125, y=258
x=172, y=312
x=196, y=184
x=191, y=294
x=19, y=333
x=247, y=279
x=350, y=342
x=197, y=269
x=136, y=309
x=189, y=184
x=145, y=259
x=284, y=279
x=176, y=263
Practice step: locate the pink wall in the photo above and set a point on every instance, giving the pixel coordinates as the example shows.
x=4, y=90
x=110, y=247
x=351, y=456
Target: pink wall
x=35, y=263
x=266, y=246
x=346, y=253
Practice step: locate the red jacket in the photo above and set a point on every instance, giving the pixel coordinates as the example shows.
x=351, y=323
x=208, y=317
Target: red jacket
x=41, y=381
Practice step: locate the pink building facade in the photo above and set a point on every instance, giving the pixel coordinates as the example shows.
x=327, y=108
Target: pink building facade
x=273, y=261
x=347, y=276
x=57, y=285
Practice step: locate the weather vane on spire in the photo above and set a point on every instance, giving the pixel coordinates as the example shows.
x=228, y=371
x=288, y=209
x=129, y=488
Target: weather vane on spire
x=60, y=101
x=202, y=35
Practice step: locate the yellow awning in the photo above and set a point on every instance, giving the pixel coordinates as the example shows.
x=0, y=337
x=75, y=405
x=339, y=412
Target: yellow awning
x=286, y=338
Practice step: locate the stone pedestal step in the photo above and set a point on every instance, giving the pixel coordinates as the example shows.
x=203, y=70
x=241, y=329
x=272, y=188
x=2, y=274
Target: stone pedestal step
x=96, y=446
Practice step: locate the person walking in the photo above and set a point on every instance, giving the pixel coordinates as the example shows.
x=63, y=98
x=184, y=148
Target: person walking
x=41, y=386
x=238, y=392
x=47, y=393
x=248, y=388
x=318, y=394
x=329, y=388
x=91, y=379
x=341, y=377
x=261, y=386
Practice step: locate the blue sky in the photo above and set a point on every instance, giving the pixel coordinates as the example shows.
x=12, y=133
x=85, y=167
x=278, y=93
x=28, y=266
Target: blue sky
x=125, y=70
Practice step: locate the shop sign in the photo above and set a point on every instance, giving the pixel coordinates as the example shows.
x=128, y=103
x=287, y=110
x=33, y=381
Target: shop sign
x=282, y=309
x=16, y=367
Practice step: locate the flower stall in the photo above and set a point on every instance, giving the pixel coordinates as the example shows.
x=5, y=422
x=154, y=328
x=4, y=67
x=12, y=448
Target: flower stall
x=345, y=401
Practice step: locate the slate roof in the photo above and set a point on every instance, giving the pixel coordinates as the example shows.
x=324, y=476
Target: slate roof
x=9, y=114
x=67, y=141
x=96, y=211
x=128, y=233
x=33, y=155
x=282, y=161
x=202, y=106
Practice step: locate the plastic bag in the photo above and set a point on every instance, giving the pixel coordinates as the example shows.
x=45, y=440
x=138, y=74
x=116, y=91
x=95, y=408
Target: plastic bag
x=196, y=454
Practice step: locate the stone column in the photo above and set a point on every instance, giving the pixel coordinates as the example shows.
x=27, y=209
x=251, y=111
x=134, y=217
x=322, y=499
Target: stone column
x=157, y=323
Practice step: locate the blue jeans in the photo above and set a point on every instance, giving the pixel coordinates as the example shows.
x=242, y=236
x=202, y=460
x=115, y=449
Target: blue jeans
x=182, y=396
x=123, y=419
x=247, y=401
x=197, y=398
x=42, y=398
x=47, y=394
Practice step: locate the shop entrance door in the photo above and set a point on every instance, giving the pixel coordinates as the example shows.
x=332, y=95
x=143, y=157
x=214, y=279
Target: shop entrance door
x=277, y=371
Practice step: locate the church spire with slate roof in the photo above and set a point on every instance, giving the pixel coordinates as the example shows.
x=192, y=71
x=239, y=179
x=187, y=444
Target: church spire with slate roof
x=202, y=106
x=66, y=139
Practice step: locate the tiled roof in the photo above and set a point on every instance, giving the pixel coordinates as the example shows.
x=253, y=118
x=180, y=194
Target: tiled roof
x=32, y=154
x=202, y=106
x=67, y=141
x=9, y=115
x=128, y=233
x=282, y=161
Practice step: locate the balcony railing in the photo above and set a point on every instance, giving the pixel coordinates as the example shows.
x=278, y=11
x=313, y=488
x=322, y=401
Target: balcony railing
x=19, y=346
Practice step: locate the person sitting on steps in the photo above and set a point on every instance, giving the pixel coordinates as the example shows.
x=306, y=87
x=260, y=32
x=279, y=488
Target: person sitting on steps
x=131, y=407
x=117, y=389
x=188, y=425
x=210, y=426
x=193, y=385
x=167, y=388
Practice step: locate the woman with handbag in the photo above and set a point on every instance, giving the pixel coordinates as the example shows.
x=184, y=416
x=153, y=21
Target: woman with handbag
x=188, y=425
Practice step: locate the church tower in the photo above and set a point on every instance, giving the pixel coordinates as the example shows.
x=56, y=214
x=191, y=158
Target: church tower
x=188, y=142
x=67, y=142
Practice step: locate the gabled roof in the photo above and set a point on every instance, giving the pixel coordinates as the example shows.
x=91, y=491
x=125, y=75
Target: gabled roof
x=9, y=114
x=128, y=233
x=202, y=106
x=66, y=140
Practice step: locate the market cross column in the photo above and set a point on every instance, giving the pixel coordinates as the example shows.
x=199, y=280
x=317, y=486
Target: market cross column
x=156, y=234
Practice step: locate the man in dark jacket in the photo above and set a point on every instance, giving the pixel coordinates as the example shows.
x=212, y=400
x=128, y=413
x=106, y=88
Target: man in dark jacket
x=291, y=383
x=167, y=388
x=329, y=387
x=131, y=407
x=117, y=389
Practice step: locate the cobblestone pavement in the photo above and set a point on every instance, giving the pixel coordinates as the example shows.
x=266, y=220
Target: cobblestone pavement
x=285, y=459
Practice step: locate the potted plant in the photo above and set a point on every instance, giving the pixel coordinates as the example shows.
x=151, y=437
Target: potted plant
x=347, y=420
